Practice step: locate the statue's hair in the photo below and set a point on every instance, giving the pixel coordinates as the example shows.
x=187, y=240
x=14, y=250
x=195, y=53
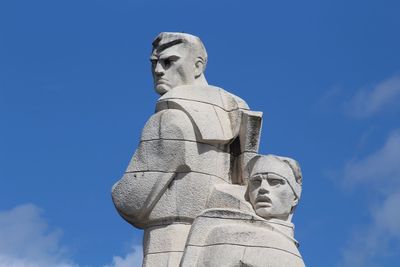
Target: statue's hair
x=167, y=39
x=295, y=167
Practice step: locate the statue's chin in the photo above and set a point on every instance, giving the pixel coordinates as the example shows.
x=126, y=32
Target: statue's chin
x=162, y=89
x=264, y=213
x=268, y=214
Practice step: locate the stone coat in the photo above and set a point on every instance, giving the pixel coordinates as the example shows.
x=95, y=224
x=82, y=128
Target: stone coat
x=232, y=238
x=184, y=150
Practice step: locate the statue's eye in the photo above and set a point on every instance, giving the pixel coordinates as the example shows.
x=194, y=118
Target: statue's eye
x=167, y=62
x=256, y=181
x=275, y=182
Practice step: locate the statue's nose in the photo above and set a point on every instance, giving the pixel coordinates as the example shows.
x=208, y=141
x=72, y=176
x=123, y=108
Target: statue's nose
x=264, y=187
x=159, y=70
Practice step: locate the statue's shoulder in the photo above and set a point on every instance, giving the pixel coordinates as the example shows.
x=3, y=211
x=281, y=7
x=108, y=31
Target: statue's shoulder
x=216, y=218
x=215, y=113
x=224, y=235
x=206, y=94
x=239, y=101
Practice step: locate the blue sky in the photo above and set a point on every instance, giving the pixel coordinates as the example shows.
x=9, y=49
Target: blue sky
x=76, y=90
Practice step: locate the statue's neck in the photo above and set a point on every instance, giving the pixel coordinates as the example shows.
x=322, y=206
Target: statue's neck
x=201, y=80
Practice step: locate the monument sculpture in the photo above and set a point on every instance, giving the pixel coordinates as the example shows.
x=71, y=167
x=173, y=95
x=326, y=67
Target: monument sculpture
x=196, y=183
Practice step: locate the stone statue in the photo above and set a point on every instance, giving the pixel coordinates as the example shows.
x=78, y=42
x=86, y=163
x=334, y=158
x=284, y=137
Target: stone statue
x=274, y=187
x=239, y=236
x=200, y=136
x=197, y=154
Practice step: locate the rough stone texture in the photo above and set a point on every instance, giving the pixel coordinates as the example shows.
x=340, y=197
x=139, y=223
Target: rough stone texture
x=249, y=140
x=184, y=151
x=229, y=196
x=164, y=244
x=215, y=112
x=197, y=161
x=224, y=237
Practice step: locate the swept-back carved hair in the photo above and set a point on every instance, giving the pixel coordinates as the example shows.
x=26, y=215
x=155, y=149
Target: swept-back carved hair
x=167, y=39
x=295, y=166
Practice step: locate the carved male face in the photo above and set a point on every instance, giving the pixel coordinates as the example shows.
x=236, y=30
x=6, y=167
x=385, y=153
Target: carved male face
x=172, y=67
x=269, y=190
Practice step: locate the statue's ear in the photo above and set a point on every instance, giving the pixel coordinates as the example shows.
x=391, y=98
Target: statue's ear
x=198, y=67
x=295, y=202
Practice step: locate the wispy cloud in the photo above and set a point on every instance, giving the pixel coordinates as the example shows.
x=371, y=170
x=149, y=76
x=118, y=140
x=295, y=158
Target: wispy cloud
x=27, y=241
x=368, y=102
x=380, y=173
x=132, y=259
x=330, y=99
x=383, y=166
x=371, y=244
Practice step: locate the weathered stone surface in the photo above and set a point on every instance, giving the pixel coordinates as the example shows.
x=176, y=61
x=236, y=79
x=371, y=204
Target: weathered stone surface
x=224, y=237
x=196, y=183
x=274, y=187
x=157, y=233
x=215, y=113
x=169, y=124
x=229, y=196
x=168, y=258
x=180, y=155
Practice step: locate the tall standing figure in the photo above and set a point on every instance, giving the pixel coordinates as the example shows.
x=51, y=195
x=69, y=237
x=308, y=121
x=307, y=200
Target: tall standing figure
x=200, y=136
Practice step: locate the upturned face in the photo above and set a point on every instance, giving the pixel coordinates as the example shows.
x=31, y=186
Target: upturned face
x=270, y=193
x=172, y=67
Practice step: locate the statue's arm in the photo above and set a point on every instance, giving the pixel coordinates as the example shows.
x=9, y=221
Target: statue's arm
x=160, y=155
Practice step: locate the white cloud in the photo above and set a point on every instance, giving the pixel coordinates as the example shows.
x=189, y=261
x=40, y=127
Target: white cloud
x=380, y=173
x=383, y=166
x=378, y=240
x=26, y=240
x=330, y=99
x=132, y=259
x=387, y=216
x=368, y=102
